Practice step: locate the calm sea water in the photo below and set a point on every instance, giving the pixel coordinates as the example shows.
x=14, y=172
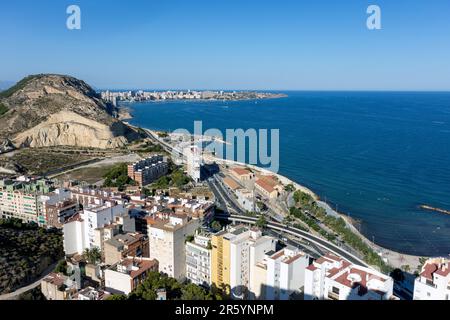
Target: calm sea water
x=376, y=156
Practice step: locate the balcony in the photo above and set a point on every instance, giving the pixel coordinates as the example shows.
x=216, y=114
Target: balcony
x=333, y=296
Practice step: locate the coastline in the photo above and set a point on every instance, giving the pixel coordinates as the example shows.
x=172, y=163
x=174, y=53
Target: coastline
x=267, y=96
x=394, y=258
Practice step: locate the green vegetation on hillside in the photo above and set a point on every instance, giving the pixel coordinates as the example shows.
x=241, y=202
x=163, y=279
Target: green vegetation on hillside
x=26, y=250
x=3, y=109
x=309, y=212
x=174, y=290
x=149, y=147
x=117, y=177
x=41, y=161
x=18, y=86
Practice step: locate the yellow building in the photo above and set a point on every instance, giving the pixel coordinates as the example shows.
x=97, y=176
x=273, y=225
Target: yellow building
x=220, y=261
x=234, y=252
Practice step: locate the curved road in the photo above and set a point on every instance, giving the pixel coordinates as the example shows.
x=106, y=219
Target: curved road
x=328, y=246
x=14, y=295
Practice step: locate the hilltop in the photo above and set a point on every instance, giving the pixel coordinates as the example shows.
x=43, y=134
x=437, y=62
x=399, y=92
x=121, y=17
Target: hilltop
x=55, y=110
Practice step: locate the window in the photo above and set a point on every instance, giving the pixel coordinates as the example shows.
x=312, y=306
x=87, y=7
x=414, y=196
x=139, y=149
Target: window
x=335, y=290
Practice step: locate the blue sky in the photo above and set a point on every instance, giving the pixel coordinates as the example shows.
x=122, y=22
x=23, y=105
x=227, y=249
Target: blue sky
x=231, y=44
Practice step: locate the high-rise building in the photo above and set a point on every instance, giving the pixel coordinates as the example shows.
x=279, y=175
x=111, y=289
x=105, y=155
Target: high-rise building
x=194, y=163
x=285, y=274
x=167, y=238
x=234, y=253
x=198, y=260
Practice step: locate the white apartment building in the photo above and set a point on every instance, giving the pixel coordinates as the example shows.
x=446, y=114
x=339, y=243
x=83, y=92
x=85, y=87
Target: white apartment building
x=279, y=274
x=167, y=243
x=332, y=278
x=247, y=247
x=433, y=283
x=126, y=275
x=198, y=260
x=246, y=199
x=80, y=230
x=285, y=273
x=193, y=156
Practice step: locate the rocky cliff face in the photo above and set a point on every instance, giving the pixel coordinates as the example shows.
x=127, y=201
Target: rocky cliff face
x=54, y=110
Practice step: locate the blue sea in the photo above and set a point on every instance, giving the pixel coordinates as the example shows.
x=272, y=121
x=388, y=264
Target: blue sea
x=376, y=156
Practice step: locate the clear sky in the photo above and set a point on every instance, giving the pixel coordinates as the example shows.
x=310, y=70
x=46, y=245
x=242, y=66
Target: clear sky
x=231, y=44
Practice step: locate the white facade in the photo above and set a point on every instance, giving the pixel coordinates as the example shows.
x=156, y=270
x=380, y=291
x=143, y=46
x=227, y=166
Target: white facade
x=125, y=276
x=194, y=162
x=118, y=282
x=433, y=282
x=285, y=273
x=167, y=244
x=333, y=278
x=80, y=232
x=73, y=239
x=246, y=249
x=245, y=199
x=198, y=260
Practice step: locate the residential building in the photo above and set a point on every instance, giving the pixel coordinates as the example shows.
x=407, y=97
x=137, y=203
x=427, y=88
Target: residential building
x=125, y=245
x=246, y=199
x=58, y=213
x=105, y=233
x=167, y=236
x=234, y=252
x=80, y=230
x=433, y=283
x=90, y=293
x=148, y=170
x=57, y=286
x=333, y=278
x=21, y=199
x=285, y=273
x=126, y=275
x=90, y=197
x=194, y=162
x=198, y=260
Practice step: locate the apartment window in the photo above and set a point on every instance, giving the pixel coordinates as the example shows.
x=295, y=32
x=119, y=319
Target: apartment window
x=335, y=290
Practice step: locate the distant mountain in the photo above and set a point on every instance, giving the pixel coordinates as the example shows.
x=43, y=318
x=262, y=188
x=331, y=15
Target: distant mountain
x=54, y=110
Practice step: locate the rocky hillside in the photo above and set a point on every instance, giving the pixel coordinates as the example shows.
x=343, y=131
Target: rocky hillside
x=54, y=110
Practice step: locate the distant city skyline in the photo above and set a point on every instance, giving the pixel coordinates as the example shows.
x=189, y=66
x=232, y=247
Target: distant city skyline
x=231, y=45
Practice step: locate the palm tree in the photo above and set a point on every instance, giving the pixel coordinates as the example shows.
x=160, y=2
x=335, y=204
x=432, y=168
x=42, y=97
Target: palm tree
x=93, y=256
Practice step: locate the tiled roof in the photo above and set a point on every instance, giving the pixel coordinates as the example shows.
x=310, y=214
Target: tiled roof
x=241, y=171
